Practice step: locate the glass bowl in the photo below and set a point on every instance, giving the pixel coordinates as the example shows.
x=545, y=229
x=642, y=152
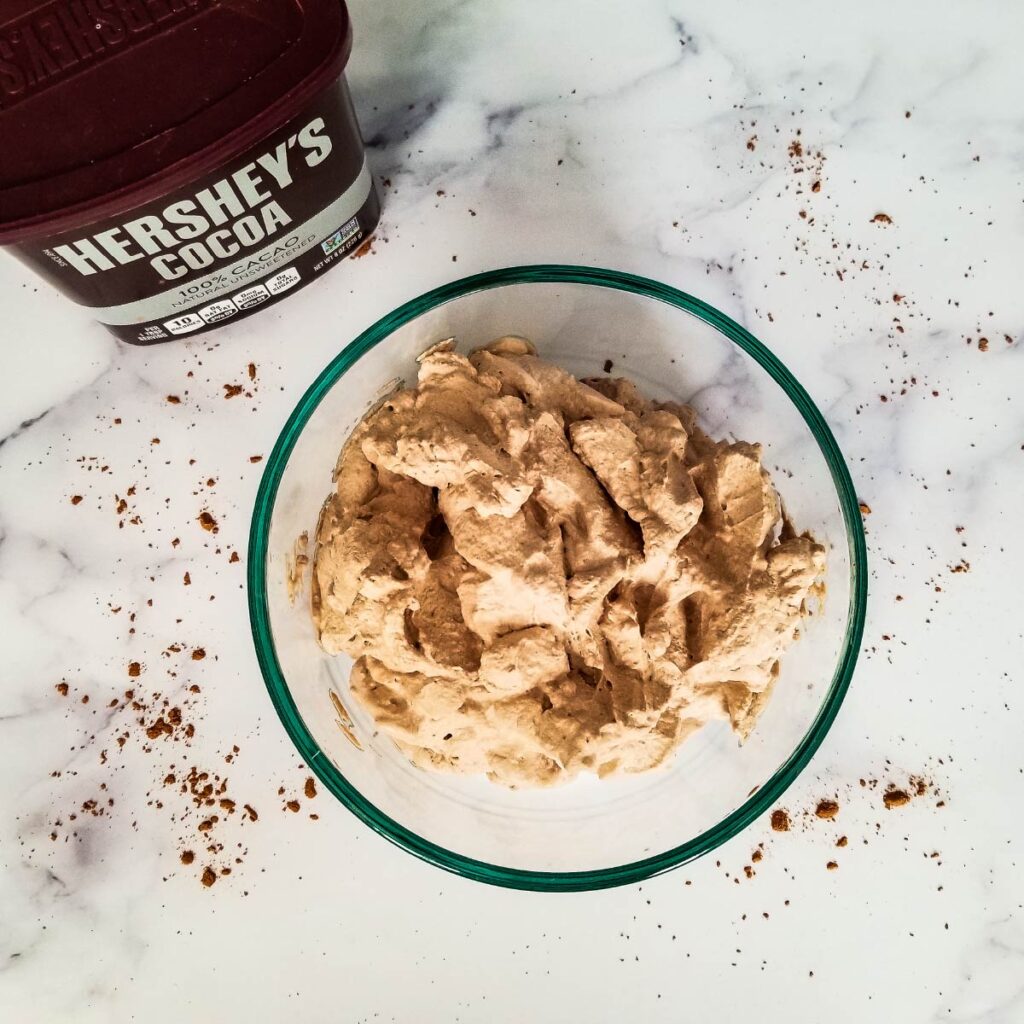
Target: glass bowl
x=587, y=834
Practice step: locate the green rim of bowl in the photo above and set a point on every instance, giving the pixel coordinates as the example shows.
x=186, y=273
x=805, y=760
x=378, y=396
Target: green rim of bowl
x=494, y=874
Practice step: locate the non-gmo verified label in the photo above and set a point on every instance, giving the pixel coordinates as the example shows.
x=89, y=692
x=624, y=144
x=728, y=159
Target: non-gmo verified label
x=340, y=237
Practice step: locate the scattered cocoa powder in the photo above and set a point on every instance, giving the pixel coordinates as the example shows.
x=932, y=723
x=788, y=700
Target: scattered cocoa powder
x=207, y=522
x=75, y=499
x=881, y=218
x=155, y=718
x=293, y=805
x=310, y=788
x=134, y=669
x=780, y=820
x=198, y=654
x=233, y=390
x=832, y=865
x=209, y=876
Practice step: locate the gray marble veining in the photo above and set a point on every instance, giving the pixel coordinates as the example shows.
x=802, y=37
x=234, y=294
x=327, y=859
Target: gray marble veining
x=739, y=152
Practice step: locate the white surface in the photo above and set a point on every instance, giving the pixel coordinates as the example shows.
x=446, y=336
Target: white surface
x=576, y=134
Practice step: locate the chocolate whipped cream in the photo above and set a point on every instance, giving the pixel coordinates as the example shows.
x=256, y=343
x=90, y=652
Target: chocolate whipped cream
x=538, y=576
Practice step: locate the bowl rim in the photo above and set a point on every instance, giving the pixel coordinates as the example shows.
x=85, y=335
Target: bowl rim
x=549, y=881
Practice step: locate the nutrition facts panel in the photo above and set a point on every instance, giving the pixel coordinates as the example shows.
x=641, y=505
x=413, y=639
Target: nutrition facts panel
x=246, y=299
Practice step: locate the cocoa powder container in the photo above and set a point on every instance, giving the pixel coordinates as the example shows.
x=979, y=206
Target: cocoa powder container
x=176, y=164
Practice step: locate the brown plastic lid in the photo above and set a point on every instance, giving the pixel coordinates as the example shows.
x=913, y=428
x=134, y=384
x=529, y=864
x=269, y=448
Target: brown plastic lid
x=107, y=104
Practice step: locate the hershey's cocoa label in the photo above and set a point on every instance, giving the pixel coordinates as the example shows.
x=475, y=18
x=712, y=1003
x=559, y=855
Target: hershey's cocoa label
x=266, y=223
x=236, y=212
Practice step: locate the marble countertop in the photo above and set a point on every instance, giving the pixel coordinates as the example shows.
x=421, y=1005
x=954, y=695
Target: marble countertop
x=743, y=154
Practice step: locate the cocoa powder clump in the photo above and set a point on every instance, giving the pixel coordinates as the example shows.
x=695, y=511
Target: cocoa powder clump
x=827, y=809
x=895, y=798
